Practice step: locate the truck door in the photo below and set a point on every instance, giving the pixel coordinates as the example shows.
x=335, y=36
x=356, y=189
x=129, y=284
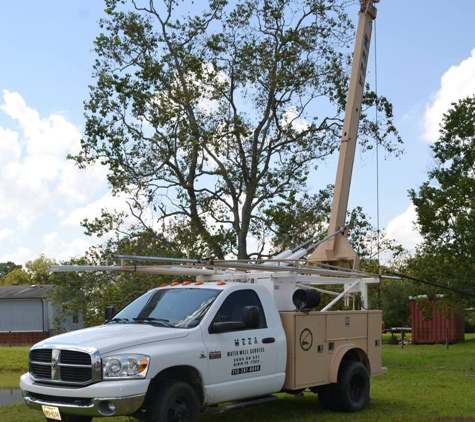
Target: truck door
x=242, y=361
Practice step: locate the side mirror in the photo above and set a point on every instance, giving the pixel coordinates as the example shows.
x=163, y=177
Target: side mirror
x=224, y=327
x=110, y=312
x=250, y=320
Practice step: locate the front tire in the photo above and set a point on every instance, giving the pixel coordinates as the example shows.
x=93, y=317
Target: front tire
x=353, y=386
x=175, y=401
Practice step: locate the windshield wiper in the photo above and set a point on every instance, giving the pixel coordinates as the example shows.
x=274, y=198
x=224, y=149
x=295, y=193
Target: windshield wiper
x=124, y=320
x=151, y=319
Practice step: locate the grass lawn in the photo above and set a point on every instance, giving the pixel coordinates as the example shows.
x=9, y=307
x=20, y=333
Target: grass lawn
x=13, y=362
x=14, y=358
x=424, y=383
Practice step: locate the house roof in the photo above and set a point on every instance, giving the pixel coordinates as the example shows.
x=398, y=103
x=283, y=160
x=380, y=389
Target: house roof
x=25, y=291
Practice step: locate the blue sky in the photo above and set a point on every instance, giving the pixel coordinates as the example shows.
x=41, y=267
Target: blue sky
x=425, y=59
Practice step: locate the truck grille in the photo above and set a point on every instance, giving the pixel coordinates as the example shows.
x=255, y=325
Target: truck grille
x=65, y=366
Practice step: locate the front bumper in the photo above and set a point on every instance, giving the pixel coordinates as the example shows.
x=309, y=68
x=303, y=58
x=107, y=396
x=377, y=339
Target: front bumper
x=106, y=398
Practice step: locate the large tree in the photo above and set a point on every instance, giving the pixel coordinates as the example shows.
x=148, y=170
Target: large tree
x=445, y=204
x=7, y=267
x=214, y=115
x=35, y=272
x=18, y=276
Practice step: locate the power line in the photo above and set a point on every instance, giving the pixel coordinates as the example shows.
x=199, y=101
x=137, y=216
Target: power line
x=378, y=246
x=440, y=286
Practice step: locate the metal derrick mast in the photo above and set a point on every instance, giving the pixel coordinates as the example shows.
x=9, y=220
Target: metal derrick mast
x=338, y=249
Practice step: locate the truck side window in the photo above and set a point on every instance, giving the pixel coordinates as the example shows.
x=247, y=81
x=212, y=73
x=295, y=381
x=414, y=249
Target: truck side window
x=231, y=309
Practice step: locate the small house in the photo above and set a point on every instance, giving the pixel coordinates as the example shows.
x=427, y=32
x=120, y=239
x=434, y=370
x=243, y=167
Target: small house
x=27, y=315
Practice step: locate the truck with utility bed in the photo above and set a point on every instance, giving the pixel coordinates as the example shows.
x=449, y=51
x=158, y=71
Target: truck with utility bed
x=187, y=347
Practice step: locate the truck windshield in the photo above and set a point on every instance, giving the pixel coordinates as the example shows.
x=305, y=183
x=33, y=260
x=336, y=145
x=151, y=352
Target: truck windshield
x=176, y=308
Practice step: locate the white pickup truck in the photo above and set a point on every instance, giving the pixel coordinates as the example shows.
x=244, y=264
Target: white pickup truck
x=186, y=347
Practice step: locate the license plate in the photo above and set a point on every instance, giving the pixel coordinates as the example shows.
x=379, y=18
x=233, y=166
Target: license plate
x=51, y=412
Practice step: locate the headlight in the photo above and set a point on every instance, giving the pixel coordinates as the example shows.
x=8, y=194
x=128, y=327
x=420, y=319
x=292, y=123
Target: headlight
x=125, y=366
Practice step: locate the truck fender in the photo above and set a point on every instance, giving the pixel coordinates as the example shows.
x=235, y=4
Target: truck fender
x=184, y=373
x=358, y=355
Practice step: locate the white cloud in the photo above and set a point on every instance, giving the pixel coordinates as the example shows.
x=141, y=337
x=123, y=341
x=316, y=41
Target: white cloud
x=20, y=256
x=291, y=117
x=77, y=186
x=207, y=86
x=93, y=209
x=35, y=177
x=401, y=228
x=107, y=202
x=39, y=187
x=10, y=149
x=4, y=233
x=457, y=83
x=61, y=251
x=53, y=248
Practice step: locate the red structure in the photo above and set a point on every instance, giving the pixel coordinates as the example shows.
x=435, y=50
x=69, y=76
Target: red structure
x=22, y=338
x=437, y=329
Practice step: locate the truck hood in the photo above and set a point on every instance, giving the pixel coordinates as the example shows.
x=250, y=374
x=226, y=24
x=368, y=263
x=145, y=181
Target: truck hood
x=111, y=337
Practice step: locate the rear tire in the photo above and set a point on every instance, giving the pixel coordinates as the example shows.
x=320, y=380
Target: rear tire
x=353, y=386
x=174, y=401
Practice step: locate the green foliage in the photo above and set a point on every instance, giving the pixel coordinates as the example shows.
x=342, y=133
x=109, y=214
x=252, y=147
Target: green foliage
x=209, y=118
x=36, y=272
x=294, y=221
x=395, y=303
x=367, y=242
x=6, y=267
x=445, y=204
x=17, y=276
x=38, y=269
x=442, y=270
x=89, y=293
x=11, y=273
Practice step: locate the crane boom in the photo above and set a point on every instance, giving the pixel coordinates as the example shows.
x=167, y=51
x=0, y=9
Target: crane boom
x=338, y=249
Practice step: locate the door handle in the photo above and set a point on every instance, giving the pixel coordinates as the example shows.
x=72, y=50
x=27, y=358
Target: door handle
x=268, y=340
